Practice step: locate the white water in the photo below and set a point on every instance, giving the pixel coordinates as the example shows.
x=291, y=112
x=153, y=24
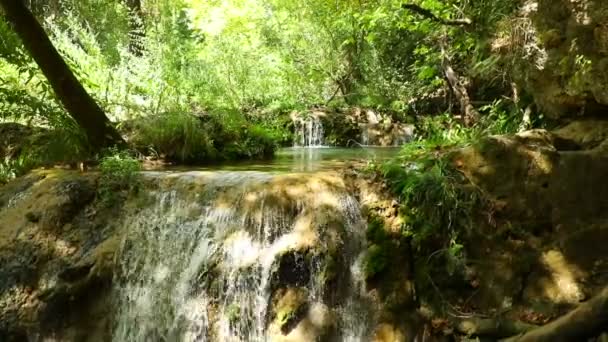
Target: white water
x=309, y=132
x=199, y=263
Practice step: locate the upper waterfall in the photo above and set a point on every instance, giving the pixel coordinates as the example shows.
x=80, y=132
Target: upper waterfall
x=309, y=131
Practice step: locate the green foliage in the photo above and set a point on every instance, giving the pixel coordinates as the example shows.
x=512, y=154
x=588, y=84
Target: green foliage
x=119, y=176
x=261, y=59
x=275, y=54
x=186, y=138
x=438, y=202
x=11, y=168
x=176, y=136
x=29, y=148
x=381, y=250
x=376, y=261
x=439, y=205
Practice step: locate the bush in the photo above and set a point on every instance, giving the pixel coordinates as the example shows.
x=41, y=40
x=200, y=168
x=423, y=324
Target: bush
x=254, y=142
x=119, y=176
x=13, y=168
x=186, y=138
x=175, y=136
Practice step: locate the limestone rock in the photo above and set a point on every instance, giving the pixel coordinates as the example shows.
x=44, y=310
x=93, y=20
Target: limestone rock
x=56, y=261
x=567, y=74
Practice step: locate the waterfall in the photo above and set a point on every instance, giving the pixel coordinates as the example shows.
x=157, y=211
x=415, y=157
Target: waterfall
x=309, y=132
x=213, y=256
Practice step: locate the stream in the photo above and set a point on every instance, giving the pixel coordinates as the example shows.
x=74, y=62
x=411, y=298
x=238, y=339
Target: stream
x=256, y=251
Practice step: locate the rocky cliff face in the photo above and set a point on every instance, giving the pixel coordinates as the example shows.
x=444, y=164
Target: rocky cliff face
x=567, y=49
x=547, y=213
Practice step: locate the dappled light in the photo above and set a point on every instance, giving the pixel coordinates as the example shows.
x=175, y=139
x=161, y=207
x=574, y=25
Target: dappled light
x=301, y=171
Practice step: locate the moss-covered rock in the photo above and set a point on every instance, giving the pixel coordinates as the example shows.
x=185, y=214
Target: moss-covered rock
x=57, y=253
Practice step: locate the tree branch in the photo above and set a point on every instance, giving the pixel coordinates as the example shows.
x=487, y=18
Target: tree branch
x=429, y=15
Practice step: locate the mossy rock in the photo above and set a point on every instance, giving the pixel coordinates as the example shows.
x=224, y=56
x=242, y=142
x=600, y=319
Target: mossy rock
x=289, y=306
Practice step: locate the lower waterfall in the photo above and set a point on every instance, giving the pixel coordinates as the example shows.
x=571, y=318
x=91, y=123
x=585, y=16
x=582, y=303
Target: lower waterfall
x=243, y=256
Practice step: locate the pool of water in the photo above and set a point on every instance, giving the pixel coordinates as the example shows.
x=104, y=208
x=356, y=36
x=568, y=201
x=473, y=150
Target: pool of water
x=307, y=159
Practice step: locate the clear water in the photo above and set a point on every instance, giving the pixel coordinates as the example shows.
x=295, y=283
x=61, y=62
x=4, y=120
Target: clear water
x=306, y=159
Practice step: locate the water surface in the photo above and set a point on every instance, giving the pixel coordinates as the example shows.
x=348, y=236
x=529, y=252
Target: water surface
x=306, y=159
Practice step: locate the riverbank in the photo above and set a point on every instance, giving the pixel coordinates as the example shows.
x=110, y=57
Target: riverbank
x=226, y=243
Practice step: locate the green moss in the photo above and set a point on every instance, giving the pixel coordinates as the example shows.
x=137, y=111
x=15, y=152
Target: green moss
x=376, y=260
x=328, y=270
x=234, y=313
x=551, y=38
x=376, y=231
x=382, y=248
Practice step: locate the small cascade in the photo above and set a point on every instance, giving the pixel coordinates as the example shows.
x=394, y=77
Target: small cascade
x=242, y=256
x=309, y=131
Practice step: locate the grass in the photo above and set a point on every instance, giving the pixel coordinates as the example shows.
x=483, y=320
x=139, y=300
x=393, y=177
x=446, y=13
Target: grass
x=439, y=206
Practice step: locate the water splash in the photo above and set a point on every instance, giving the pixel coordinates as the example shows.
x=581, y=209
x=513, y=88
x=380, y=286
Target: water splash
x=203, y=262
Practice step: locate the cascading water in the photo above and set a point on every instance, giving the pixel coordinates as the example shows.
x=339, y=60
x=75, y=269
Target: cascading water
x=215, y=254
x=309, y=132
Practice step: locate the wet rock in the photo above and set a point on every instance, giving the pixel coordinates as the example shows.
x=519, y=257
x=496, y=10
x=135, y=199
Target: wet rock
x=388, y=333
x=53, y=280
x=33, y=217
x=289, y=307
x=297, y=320
x=69, y=198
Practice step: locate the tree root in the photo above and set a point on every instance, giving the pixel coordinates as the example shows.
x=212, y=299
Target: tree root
x=588, y=320
x=492, y=327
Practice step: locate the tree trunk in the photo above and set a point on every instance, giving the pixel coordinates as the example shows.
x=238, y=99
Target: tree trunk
x=78, y=103
x=136, y=27
x=470, y=115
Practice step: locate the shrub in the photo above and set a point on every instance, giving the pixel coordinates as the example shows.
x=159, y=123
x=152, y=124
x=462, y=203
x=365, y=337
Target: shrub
x=12, y=168
x=190, y=139
x=119, y=176
x=176, y=136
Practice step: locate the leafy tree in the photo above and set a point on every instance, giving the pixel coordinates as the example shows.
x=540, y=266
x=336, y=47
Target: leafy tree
x=70, y=92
